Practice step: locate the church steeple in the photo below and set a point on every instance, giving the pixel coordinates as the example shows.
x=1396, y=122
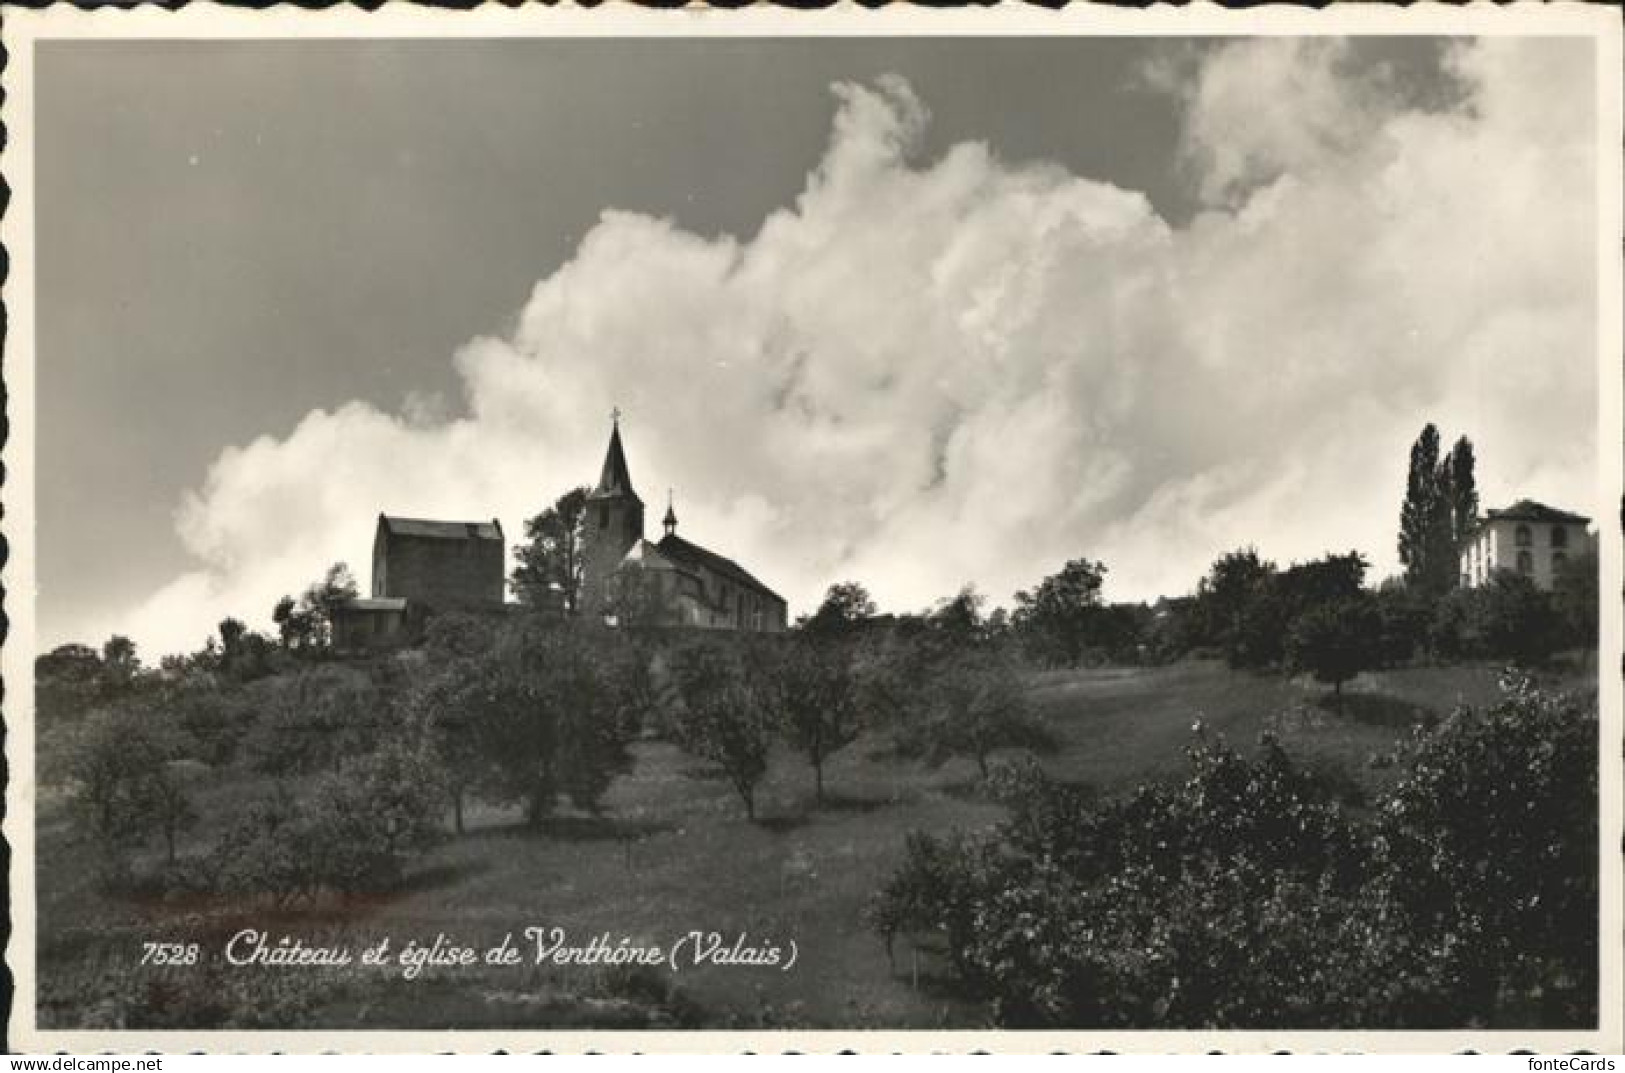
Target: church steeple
x=670, y=521
x=616, y=479
x=613, y=523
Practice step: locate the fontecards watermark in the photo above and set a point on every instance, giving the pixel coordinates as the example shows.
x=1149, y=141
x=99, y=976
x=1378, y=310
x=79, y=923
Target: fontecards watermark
x=534, y=945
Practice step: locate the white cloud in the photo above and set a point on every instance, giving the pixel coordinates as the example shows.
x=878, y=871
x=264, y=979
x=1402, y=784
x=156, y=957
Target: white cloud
x=923, y=374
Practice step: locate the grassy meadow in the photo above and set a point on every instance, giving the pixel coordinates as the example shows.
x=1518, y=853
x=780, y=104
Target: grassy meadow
x=672, y=852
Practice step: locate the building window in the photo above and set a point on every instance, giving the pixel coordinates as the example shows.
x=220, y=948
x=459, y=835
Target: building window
x=603, y=517
x=1523, y=538
x=1560, y=537
x=1526, y=563
x=1559, y=560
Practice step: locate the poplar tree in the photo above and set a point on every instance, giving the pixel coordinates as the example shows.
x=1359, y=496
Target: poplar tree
x=1438, y=514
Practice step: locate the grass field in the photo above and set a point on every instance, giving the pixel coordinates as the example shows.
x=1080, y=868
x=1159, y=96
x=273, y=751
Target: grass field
x=673, y=853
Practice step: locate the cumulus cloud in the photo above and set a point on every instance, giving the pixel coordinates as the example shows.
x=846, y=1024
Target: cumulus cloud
x=930, y=372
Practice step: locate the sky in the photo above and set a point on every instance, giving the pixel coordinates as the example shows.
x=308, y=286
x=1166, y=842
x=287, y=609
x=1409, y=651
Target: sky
x=917, y=313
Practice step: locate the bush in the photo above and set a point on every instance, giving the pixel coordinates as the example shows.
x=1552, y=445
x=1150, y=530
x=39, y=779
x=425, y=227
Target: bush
x=1495, y=824
x=1244, y=897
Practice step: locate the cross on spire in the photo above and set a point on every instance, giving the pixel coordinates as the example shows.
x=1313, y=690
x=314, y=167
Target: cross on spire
x=615, y=415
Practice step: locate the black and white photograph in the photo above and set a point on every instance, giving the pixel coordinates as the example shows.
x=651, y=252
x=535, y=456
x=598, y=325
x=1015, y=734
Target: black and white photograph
x=813, y=523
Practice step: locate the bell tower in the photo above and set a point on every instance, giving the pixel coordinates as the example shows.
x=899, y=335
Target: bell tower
x=613, y=522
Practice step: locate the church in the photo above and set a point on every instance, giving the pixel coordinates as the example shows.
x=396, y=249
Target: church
x=421, y=567
x=672, y=582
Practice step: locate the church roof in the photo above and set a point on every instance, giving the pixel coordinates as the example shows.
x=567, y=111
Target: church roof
x=437, y=530
x=1527, y=510
x=682, y=552
x=616, y=479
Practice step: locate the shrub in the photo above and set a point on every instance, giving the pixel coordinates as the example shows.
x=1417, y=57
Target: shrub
x=1243, y=896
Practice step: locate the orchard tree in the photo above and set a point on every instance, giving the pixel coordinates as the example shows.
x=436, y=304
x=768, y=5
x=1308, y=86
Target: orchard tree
x=976, y=704
x=720, y=716
x=810, y=684
x=550, y=563
x=439, y=707
x=1336, y=641
x=123, y=761
x=548, y=713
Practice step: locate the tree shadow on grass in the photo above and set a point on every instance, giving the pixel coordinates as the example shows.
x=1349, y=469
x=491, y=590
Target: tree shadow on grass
x=572, y=828
x=438, y=876
x=1377, y=709
x=783, y=823
x=851, y=803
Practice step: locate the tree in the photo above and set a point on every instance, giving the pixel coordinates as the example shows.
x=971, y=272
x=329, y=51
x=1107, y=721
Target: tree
x=120, y=664
x=294, y=626
x=1230, y=611
x=1336, y=641
x=549, y=711
x=438, y=706
x=1462, y=488
x=719, y=716
x=550, y=563
x=323, y=600
x=1053, y=619
x=1574, y=596
x=306, y=626
x=123, y=761
x=978, y=706
x=635, y=598
x=959, y=617
x=1438, y=514
x=810, y=683
x=846, y=606
x=232, y=632
x=1419, y=511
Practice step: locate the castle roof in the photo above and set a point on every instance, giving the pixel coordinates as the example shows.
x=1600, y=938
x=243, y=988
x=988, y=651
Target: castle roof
x=438, y=530
x=1527, y=510
x=616, y=479
x=682, y=552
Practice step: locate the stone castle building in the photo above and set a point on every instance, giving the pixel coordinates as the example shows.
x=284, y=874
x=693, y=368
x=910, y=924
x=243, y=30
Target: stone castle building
x=672, y=582
x=420, y=567
x=1526, y=538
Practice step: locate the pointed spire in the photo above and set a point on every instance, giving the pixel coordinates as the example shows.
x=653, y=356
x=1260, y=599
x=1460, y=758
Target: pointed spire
x=615, y=478
x=671, y=515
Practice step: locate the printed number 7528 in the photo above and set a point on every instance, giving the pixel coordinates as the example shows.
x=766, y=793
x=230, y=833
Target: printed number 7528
x=169, y=953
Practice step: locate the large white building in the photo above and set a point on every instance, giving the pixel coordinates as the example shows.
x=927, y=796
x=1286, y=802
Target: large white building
x=1526, y=538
